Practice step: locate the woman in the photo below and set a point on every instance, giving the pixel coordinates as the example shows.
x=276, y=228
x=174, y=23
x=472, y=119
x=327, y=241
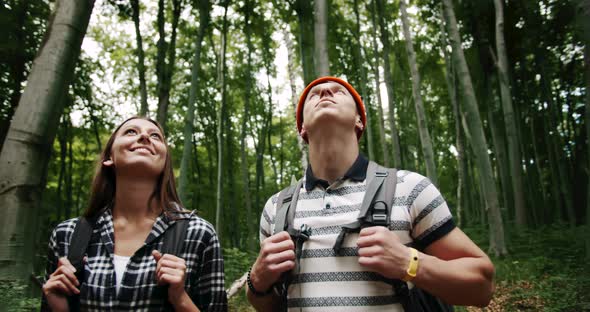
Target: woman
x=133, y=202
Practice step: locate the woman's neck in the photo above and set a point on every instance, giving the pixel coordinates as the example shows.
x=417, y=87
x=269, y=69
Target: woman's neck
x=330, y=157
x=133, y=199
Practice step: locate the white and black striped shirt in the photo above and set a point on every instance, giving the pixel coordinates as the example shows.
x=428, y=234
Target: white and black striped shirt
x=325, y=281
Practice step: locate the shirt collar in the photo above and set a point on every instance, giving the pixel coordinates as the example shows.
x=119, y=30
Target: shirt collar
x=357, y=172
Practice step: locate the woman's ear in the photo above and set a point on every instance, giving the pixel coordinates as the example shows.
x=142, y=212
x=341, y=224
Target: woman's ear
x=108, y=162
x=359, y=123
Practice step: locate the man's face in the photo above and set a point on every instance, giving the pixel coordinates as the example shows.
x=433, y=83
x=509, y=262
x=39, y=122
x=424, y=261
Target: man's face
x=329, y=102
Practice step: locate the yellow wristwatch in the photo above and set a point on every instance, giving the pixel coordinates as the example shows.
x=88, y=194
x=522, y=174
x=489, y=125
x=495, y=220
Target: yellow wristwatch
x=413, y=266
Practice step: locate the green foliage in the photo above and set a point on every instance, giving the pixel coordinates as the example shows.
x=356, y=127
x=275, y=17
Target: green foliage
x=14, y=297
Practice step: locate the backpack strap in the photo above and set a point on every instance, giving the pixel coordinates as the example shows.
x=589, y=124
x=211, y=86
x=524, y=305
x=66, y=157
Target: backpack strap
x=376, y=206
x=78, y=245
x=284, y=214
x=174, y=237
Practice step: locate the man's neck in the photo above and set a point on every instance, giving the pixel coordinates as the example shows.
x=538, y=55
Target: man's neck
x=330, y=157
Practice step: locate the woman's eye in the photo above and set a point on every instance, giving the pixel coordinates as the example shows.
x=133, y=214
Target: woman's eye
x=311, y=96
x=130, y=131
x=156, y=136
x=340, y=91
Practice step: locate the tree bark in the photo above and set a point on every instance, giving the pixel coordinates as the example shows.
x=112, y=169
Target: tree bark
x=425, y=139
x=378, y=11
x=183, y=182
x=143, y=111
x=322, y=62
x=479, y=143
x=514, y=153
x=25, y=154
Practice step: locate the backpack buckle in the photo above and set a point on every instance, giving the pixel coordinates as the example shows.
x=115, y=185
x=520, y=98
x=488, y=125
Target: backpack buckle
x=380, y=219
x=381, y=174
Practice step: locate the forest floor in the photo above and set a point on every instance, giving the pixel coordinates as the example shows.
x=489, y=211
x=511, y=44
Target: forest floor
x=546, y=270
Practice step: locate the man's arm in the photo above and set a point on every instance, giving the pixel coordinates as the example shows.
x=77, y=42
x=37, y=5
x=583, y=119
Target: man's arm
x=456, y=270
x=453, y=268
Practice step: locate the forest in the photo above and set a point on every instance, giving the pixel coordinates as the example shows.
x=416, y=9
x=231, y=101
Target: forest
x=488, y=98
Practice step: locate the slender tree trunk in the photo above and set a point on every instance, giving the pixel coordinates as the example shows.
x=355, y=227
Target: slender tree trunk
x=143, y=111
x=587, y=121
x=358, y=56
x=245, y=117
x=514, y=153
x=162, y=47
x=322, y=62
x=70, y=172
x=479, y=143
x=191, y=106
x=304, y=11
x=499, y=149
x=167, y=70
x=425, y=139
x=450, y=78
x=378, y=11
x=220, y=121
x=26, y=150
x=294, y=95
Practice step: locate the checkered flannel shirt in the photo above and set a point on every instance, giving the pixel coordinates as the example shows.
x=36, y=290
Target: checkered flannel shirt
x=138, y=290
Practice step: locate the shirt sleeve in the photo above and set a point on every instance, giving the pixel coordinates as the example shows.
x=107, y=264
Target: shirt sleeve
x=267, y=218
x=210, y=294
x=430, y=214
x=57, y=247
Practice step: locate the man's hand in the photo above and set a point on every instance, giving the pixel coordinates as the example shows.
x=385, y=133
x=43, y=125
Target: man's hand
x=277, y=255
x=61, y=283
x=381, y=251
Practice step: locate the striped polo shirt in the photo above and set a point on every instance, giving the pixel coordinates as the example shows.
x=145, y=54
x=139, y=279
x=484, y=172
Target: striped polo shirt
x=324, y=281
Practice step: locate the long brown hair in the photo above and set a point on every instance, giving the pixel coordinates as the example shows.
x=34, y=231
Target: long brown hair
x=102, y=194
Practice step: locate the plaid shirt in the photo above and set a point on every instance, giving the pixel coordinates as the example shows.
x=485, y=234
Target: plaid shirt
x=138, y=290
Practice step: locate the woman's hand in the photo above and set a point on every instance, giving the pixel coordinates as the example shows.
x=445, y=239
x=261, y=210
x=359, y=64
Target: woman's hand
x=61, y=284
x=171, y=271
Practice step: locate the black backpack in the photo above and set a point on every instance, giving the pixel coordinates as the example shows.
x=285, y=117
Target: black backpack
x=375, y=211
x=173, y=243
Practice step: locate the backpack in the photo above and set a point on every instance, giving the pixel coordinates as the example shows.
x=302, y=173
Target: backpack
x=173, y=243
x=375, y=211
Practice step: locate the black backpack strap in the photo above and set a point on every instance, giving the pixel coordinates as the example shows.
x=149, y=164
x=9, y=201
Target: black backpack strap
x=76, y=252
x=376, y=206
x=174, y=237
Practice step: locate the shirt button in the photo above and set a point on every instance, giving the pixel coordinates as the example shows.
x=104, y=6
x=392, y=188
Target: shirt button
x=328, y=205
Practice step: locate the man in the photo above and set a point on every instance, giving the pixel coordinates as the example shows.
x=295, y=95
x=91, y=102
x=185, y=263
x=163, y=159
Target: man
x=331, y=119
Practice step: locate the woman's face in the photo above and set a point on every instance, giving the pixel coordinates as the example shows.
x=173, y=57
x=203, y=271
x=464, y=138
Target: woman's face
x=138, y=149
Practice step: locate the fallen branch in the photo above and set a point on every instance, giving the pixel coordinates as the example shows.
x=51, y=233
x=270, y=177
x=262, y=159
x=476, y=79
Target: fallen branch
x=237, y=285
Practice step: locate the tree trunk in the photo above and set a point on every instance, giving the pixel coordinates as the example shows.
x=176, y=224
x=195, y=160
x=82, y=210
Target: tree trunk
x=514, y=153
x=358, y=56
x=294, y=95
x=143, y=111
x=26, y=150
x=17, y=67
x=167, y=70
x=378, y=12
x=322, y=62
x=450, y=78
x=425, y=139
x=587, y=121
x=220, y=121
x=183, y=181
x=304, y=11
x=479, y=144
x=245, y=116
